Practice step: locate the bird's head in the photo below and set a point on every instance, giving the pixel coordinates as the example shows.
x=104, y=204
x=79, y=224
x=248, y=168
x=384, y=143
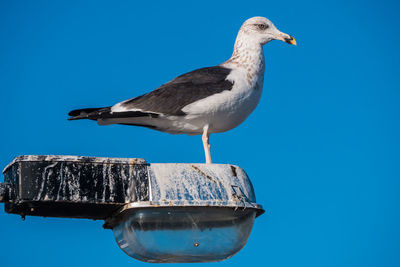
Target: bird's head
x=262, y=30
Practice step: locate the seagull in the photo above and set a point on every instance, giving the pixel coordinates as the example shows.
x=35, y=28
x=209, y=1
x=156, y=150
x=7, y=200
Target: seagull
x=204, y=101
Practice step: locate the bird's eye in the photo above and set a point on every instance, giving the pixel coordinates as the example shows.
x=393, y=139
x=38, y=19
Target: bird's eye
x=262, y=26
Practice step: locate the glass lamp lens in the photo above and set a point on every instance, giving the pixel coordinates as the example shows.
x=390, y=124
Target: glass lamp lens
x=184, y=234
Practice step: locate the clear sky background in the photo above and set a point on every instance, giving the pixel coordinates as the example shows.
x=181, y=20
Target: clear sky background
x=322, y=147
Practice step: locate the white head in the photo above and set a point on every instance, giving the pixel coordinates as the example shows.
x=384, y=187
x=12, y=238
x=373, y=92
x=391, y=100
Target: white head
x=261, y=31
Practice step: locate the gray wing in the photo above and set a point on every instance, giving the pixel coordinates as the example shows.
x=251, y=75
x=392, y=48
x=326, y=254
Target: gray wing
x=171, y=97
x=168, y=99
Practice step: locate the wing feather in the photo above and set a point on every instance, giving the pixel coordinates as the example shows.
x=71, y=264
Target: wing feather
x=172, y=97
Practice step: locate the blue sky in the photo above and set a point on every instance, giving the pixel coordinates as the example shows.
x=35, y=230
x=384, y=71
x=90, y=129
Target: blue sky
x=322, y=148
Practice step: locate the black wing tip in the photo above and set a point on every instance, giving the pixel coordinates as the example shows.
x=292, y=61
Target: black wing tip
x=75, y=118
x=74, y=113
x=105, y=113
x=78, y=114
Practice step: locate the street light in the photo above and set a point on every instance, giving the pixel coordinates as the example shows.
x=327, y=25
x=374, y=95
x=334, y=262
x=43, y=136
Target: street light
x=158, y=212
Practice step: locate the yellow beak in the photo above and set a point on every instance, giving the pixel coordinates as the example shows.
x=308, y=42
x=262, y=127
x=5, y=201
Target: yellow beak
x=291, y=40
x=286, y=38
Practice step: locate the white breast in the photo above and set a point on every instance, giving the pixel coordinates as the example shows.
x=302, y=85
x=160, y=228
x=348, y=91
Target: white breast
x=227, y=109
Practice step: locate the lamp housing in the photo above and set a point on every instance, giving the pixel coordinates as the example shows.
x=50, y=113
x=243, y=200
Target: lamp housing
x=158, y=212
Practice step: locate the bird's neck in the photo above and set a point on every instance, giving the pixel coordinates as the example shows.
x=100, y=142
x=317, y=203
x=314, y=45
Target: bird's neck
x=247, y=55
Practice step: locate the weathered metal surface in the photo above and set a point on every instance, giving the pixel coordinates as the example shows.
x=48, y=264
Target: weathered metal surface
x=71, y=186
x=98, y=188
x=4, y=192
x=200, y=185
x=183, y=185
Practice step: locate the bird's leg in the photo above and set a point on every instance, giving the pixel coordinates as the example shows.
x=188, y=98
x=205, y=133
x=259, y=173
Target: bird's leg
x=206, y=144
